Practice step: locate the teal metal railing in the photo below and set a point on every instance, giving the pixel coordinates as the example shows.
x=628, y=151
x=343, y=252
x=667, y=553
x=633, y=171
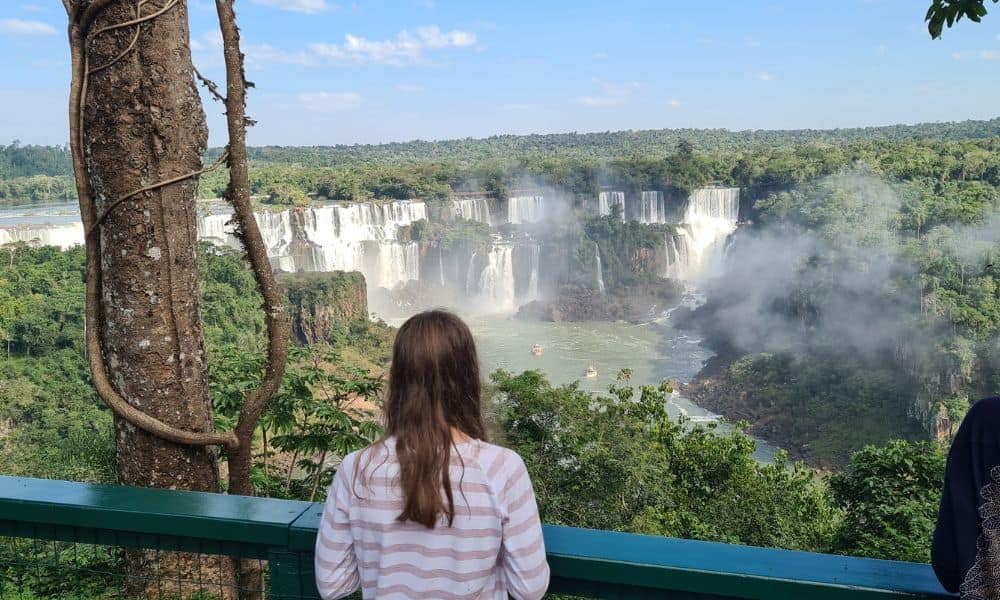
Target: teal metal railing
x=115, y=528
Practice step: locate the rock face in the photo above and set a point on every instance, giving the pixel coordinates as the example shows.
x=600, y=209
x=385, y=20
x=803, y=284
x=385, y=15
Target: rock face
x=318, y=302
x=635, y=304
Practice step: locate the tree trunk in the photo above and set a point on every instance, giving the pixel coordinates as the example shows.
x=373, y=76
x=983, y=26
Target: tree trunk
x=144, y=124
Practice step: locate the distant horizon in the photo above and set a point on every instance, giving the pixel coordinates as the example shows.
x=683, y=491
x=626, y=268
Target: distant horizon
x=581, y=133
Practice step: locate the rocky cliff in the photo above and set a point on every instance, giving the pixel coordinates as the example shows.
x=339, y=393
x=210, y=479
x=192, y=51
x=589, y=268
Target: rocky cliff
x=320, y=302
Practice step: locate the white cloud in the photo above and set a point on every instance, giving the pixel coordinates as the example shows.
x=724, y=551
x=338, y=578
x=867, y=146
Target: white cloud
x=22, y=27
x=329, y=101
x=882, y=50
x=766, y=77
x=613, y=93
x=34, y=8
x=407, y=49
x=265, y=54
x=976, y=55
x=600, y=56
x=306, y=7
x=674, y=103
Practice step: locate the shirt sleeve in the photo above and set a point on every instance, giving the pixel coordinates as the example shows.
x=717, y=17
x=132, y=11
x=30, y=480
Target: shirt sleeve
x=336, y=563
x=954, y=547
x=522, y=554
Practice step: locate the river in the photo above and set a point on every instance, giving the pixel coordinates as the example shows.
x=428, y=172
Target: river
x=655, y=351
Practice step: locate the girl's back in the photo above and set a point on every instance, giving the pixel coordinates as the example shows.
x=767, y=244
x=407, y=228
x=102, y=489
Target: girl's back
x=493, y=547
x=431, y=510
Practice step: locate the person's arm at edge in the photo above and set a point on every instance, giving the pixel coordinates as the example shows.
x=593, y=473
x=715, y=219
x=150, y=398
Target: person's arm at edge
x=336, y=564
x=523, y=548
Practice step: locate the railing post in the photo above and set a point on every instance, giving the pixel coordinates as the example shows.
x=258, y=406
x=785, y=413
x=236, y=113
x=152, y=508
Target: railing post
x=291, y=575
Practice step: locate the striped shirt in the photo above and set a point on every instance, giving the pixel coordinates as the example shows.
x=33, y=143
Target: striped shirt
x=493, y=548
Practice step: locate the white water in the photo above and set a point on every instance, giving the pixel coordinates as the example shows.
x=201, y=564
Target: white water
x=606, y=201
x=496, y=281
x=353, y=237
x=525, y=209
x=710, y=217
x=472, y=209
x=63, y=236
x=536, y=252
x=441, y=266
x=651, y=208
x=599, y=269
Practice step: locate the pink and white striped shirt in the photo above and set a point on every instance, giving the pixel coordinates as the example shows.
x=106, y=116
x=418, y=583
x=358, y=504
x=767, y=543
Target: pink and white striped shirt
x=494, y=547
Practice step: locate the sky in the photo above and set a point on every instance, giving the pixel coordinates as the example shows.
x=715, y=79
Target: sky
x=338, y=72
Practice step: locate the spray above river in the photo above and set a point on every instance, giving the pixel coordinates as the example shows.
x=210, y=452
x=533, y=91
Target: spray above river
x=489, y=279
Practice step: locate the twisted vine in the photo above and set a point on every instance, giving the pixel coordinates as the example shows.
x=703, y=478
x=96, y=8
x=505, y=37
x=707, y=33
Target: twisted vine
x=237, y=442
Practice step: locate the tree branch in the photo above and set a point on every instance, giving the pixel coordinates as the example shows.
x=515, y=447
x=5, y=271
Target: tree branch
x=210, y=86
x=238, y=193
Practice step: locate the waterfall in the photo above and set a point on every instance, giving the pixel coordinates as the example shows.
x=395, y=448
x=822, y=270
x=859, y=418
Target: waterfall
x=667, y=261
x=651, y=208
x=525, y=209
x=471, y=287
x=441, y=265
x=536, y=252
x=213, y=228
x=606, y=201
x=496, y=282
x=353, y=237
x=716, y=202
x=675, y=247
x=472, y=209
x=710, y=217
x=599, y=269
x=63, y=236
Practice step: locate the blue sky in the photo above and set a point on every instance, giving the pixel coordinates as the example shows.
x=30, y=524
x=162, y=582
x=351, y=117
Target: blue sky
x=335, y=71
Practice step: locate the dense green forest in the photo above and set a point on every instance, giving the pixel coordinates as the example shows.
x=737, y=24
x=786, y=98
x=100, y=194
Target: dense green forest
x=578, y=162
x=914, y=216
x=591, y=457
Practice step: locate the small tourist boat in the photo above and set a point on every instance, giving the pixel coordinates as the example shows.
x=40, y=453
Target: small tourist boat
x=591, y=372
x=537, y=349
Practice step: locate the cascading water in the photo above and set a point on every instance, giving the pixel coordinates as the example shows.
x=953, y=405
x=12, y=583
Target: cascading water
x=471, y=283
x=441, y=265
x=472, y=209
x=651, y=208
x=711, y=216
x=525, y=209
x=599, y=269
x=353, y=237
x=606, y=201
x=496, y=282
x=536, y=252
x=63, y=236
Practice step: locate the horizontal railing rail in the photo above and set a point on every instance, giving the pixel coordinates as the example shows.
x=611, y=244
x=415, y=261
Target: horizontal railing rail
x=584, y=562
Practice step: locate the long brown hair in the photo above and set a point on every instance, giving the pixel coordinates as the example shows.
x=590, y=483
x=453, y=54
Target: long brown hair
x=434, y=386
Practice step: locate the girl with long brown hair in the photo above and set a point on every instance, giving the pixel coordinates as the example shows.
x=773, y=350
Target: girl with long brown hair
x=432, y=510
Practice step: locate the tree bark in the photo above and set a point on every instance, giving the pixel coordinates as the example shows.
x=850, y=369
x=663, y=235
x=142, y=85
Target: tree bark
x=144, y=124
